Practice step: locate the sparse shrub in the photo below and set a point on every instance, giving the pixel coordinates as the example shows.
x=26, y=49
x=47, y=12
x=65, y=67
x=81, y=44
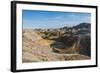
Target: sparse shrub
x=47, y=35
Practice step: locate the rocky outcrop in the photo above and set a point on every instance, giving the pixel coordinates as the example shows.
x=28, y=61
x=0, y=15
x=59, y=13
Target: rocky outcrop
x=77, y=44
x=67, y=45
x=85, y=45
x=37, y=49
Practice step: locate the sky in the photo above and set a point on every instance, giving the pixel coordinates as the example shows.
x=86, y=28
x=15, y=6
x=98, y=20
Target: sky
x=33, y=19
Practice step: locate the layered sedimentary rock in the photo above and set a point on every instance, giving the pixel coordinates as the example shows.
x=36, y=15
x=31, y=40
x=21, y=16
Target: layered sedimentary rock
x=37, y=49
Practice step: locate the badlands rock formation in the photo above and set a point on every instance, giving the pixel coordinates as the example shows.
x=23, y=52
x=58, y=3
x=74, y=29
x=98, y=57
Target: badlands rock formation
x=37, y=49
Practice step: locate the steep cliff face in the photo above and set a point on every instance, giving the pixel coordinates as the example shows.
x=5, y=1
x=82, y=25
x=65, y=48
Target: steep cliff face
x=68, y=45
x=78, y=41
x=77, y=44
x=85, y=45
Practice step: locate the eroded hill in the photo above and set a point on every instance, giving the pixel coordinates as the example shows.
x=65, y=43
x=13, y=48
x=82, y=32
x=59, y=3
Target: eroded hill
x=36, y=49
